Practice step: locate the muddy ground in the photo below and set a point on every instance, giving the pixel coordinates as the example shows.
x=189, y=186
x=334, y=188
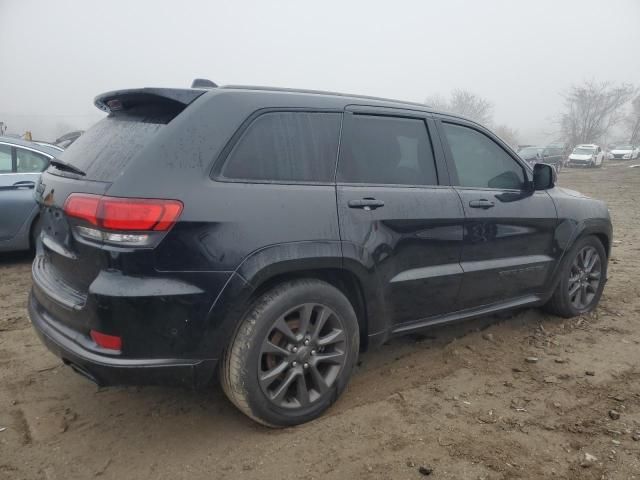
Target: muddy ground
x=461, y=402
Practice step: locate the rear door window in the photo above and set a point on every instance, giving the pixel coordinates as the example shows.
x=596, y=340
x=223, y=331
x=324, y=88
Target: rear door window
x=5, y=159
x=286, y=147
x=387, y=150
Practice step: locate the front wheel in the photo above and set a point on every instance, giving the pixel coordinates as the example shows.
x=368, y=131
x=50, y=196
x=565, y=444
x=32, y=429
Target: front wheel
x=292, y=354
x=582, y=278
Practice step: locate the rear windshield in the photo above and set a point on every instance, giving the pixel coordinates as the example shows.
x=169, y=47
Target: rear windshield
x=104, y=150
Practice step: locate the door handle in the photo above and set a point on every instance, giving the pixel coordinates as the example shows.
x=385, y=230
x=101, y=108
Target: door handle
x=25, y=184
x=366, y=203
x=482, y=203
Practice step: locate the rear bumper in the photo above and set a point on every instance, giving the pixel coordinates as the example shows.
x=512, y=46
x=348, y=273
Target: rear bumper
x=107, y=369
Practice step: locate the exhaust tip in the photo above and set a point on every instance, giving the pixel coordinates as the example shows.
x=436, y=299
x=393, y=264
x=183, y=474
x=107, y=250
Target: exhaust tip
x=82, y=371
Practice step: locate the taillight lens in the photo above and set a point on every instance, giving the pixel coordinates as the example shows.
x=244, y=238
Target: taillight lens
x=111, y=214
x=82, y=206
x=138, y=214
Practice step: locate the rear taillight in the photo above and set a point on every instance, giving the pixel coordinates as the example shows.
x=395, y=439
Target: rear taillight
x=117, y=218
x=112, y=342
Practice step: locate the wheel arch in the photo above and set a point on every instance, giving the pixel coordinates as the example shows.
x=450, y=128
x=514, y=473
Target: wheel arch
x=600, y=228
x=322, y=260
x=345, y=281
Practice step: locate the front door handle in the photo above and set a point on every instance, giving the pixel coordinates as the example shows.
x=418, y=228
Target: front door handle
x=25, y=184
x=366, y=203
x=482, y=203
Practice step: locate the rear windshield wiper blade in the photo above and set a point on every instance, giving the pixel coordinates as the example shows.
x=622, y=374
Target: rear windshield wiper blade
x=62, y=165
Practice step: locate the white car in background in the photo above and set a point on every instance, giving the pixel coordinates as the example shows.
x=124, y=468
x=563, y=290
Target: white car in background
x=624, y=152
x=588, y=155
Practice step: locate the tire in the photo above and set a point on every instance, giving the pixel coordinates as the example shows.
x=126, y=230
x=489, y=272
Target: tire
x=250, y=363
x=561, y=303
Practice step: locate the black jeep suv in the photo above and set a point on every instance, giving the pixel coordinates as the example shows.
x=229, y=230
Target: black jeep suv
x=273, y=234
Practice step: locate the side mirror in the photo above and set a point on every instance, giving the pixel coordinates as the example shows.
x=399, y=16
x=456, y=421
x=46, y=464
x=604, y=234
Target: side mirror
x=544, y=176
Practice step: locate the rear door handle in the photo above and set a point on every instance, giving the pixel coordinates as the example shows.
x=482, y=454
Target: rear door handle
x=482, y=203
x=25, y=184
x=366, y=203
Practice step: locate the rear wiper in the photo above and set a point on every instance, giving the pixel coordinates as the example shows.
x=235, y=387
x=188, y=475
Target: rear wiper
x=62, y=165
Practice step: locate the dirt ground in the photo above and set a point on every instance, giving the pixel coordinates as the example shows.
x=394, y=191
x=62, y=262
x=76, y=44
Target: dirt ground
x=461, y=402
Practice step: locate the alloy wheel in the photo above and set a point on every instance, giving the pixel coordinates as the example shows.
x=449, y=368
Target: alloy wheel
x=302, y=356
x=584, y=278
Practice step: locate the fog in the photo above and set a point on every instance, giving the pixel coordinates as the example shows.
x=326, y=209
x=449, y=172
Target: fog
x=56, y=56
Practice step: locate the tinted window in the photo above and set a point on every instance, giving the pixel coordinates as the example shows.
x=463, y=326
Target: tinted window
x=5, y=159
x=287, y=146
x=480, y=162
x=387, y=150
x=30, y=162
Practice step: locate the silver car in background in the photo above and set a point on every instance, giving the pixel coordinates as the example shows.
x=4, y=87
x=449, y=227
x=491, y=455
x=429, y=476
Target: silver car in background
x=624, y=152
x=21, y=163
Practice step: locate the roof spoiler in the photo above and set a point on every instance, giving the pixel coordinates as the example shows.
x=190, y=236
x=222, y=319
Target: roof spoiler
x=118, y=100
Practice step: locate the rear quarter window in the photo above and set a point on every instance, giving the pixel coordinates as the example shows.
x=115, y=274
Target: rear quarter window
x=286, y=147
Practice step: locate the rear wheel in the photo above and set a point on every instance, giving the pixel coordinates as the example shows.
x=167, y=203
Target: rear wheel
x=293, y=353
x=582, y=279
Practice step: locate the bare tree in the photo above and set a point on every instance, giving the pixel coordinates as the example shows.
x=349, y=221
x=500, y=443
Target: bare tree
x=470, y=105
x=633, y=122
x=465, y=103
x=508, y=135
x=592, y=109
x=438, y=102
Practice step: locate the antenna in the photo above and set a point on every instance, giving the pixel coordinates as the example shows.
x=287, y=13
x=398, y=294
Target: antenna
x=202, y=83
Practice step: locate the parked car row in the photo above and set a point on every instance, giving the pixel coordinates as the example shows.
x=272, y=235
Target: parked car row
x=585, y=155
